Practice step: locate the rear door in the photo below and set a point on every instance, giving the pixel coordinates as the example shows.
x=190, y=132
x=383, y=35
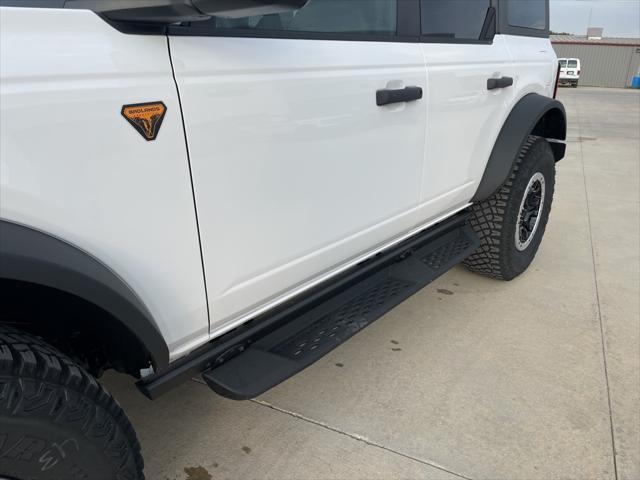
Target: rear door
x=573, y=68
x=296, y=169
x=526, y=30
x=465, y=117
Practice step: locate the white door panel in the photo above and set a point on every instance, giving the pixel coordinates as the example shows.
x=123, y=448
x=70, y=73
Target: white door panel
x=534, y=64
x=71, y=165
x=296, y=170
x=464, y=118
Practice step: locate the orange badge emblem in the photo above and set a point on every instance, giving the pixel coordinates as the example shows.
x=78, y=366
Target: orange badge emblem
x=146, y=118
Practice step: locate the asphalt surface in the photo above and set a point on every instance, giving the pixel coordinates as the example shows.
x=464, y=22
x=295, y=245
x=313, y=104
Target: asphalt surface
x=538, y=378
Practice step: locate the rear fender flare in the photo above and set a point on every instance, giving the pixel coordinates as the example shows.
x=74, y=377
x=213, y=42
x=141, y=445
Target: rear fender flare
x=533, y=115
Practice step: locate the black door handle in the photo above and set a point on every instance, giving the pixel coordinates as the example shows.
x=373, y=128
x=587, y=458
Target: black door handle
x=406, y=94
x=503, y=82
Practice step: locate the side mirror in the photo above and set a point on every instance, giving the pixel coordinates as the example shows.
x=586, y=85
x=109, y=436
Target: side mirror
x=489, y=26
x=174, y=11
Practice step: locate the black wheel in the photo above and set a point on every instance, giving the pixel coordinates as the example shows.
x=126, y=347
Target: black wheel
x=511, y=223
x=574, y=84
x=56, y=421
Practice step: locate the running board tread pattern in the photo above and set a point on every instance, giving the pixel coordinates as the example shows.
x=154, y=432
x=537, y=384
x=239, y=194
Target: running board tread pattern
x=346, y=321
x=314, y=333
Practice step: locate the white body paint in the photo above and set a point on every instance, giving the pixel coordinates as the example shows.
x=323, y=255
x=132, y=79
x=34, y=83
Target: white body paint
x=297, y=173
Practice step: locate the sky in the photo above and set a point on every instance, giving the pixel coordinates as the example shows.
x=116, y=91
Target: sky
x=620, y=18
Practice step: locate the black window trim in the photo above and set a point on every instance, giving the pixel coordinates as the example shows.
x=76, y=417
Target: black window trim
x=407, y=31
x=408, y=27
x=469, y=41
x=505, y=28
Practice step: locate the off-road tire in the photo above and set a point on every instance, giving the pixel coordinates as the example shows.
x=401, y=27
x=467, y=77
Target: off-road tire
x=495, y=220
x=56, y=421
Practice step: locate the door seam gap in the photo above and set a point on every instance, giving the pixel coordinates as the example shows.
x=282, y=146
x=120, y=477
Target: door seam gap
x=193, y=191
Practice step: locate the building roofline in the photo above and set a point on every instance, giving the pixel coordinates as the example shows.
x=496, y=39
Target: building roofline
x=606, y=41
x=600, y=44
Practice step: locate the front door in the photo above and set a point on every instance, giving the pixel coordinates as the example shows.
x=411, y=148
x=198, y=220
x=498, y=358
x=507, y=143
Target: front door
x=296, y=169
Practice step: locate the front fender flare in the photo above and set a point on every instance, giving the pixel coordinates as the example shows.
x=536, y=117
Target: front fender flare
x=32, y=256
x=533, y=114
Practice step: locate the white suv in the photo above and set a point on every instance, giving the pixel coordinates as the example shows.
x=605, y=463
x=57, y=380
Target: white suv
x=232, y=188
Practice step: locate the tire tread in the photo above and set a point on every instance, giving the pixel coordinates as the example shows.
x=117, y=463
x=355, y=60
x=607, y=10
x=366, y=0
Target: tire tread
x=37, y=379
x=490, y=221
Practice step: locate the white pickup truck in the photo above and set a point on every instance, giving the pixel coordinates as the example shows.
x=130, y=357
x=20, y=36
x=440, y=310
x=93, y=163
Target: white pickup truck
x=232, y=188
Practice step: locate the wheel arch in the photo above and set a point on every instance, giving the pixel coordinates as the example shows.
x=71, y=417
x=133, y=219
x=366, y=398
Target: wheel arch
x=34, y=263
x=534, y=114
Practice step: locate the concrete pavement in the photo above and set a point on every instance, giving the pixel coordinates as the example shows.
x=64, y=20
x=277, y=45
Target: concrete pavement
x=471, y=378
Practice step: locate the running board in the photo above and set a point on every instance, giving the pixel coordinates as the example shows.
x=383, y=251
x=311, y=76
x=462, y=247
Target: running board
x=355, y=301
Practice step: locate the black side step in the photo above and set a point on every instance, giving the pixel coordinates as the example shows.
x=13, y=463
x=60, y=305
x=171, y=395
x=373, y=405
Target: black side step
x=272, y=335
x=356, y=301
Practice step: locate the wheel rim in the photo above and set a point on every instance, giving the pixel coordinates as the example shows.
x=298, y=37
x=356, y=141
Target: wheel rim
x=530, y=211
